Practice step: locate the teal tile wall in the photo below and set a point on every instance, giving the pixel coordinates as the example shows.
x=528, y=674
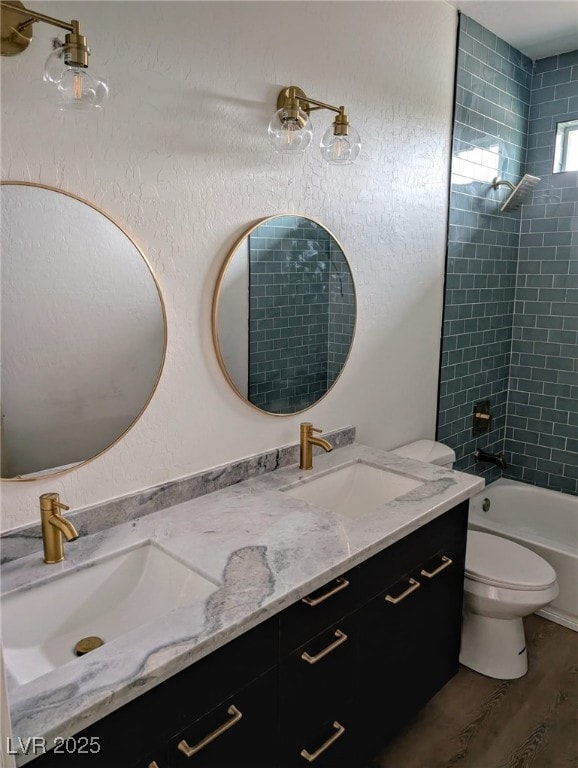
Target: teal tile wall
x=542, y=424
x=341, y=312
x=288, y=314
x=511, y=305
x=301, y=313
x=490, y=124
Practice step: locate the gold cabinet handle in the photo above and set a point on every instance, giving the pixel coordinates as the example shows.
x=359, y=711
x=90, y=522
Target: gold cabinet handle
x=341, y=638
x=313, y=601
x=412, y=588
x=190, y=751
x=446, y=562
x=310, y=757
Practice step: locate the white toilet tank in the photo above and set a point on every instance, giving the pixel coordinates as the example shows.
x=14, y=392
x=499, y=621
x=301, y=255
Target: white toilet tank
x=429, y=451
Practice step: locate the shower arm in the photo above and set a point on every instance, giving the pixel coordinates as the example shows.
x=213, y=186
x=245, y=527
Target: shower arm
x=498, y=182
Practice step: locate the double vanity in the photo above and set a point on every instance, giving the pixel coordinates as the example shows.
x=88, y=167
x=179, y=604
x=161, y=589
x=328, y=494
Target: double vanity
x=298, y=617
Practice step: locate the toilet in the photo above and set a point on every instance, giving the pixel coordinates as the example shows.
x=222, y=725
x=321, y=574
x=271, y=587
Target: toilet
x=504, y=582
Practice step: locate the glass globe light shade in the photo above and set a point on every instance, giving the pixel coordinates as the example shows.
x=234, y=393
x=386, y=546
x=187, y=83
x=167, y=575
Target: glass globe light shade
x=340, y=150
x=288, y=133
x=79, y=90
x=54, y=67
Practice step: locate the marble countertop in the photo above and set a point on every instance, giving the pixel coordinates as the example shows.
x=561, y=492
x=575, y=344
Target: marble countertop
x=261, y=547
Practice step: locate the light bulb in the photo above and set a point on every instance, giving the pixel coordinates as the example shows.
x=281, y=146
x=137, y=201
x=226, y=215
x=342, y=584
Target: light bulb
x=290, y=131
x=79, y=90
x=340, y=150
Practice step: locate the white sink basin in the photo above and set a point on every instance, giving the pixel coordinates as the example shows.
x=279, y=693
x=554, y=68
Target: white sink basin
x=354, y=490
x=41, y=625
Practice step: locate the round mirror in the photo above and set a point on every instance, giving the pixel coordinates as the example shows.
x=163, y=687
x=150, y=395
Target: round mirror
x=83, y=331
x=284, y=314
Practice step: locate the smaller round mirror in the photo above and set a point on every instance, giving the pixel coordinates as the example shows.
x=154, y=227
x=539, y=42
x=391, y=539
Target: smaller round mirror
x=284, y=314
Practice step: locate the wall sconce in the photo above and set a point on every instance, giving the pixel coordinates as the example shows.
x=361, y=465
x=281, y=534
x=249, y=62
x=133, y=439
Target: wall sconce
x=290, y=128
x=66, y=67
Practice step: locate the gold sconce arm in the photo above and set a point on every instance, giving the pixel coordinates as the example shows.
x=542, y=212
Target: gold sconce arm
x=16, y=34
x=34, y=16
x=293, y=98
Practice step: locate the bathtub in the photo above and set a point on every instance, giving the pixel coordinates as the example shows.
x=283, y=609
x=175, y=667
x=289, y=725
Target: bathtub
x=544, y=521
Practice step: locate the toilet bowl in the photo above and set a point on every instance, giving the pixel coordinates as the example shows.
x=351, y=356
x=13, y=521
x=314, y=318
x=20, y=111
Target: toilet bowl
x=504, y=582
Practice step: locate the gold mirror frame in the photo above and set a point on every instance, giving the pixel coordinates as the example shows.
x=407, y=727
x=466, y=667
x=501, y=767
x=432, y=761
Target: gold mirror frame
x=217, y=297
x=43, y=474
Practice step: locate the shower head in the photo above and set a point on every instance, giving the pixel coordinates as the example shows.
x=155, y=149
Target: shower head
x=519, y=194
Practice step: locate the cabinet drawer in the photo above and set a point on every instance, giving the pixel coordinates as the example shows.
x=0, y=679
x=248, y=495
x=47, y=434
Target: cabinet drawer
x=125, y=736
x=318, y=610
x=405, y=555
x=211, y=680
x=241, y=732
x=413, y=608
x=318, y=674
x=333, y=743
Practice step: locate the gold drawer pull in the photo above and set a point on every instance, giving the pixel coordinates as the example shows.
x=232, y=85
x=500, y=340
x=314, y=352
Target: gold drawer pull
x=341, y=638
x=414, y=585
x=313, y=601
x=190, y=751
x=310, y=757
x=430, y=574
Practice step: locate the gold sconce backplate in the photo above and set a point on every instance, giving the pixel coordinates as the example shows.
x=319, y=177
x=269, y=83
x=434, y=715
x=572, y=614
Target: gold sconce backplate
x=16, y=33
x=284, y=96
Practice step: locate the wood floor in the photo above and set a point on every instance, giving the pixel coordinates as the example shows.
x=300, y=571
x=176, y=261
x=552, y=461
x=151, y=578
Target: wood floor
x=479, y=722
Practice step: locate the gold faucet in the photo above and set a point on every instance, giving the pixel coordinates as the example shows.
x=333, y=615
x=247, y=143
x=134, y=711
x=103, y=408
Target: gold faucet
x=54, y=527
x=306, y=443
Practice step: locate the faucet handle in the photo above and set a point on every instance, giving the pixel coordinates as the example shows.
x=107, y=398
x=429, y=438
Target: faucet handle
x=307, y=426
x=51, y=502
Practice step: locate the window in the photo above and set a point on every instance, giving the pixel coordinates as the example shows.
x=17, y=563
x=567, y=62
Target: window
x=476, y=164
x=566, y=150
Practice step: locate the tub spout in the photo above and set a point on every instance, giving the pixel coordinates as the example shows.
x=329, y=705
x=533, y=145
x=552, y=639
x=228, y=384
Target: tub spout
x=491, y=458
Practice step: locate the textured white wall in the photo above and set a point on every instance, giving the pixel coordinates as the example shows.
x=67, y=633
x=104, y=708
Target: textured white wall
x=180, y=159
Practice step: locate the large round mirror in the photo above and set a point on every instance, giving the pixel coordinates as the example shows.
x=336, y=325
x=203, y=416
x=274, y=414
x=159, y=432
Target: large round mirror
x=83, y=331
x=284, y=314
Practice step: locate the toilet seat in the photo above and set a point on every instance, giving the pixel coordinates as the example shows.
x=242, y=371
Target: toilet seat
x=500, y=562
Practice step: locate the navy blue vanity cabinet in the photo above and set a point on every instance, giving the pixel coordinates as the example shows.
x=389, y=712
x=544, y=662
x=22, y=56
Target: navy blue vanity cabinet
x=327, y=682
x=317, y=684
x=410, y=631
x=403, y=629
x=318, y=675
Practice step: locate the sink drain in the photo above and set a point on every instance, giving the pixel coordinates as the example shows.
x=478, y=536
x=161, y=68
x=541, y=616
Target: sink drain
x=87, y=644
